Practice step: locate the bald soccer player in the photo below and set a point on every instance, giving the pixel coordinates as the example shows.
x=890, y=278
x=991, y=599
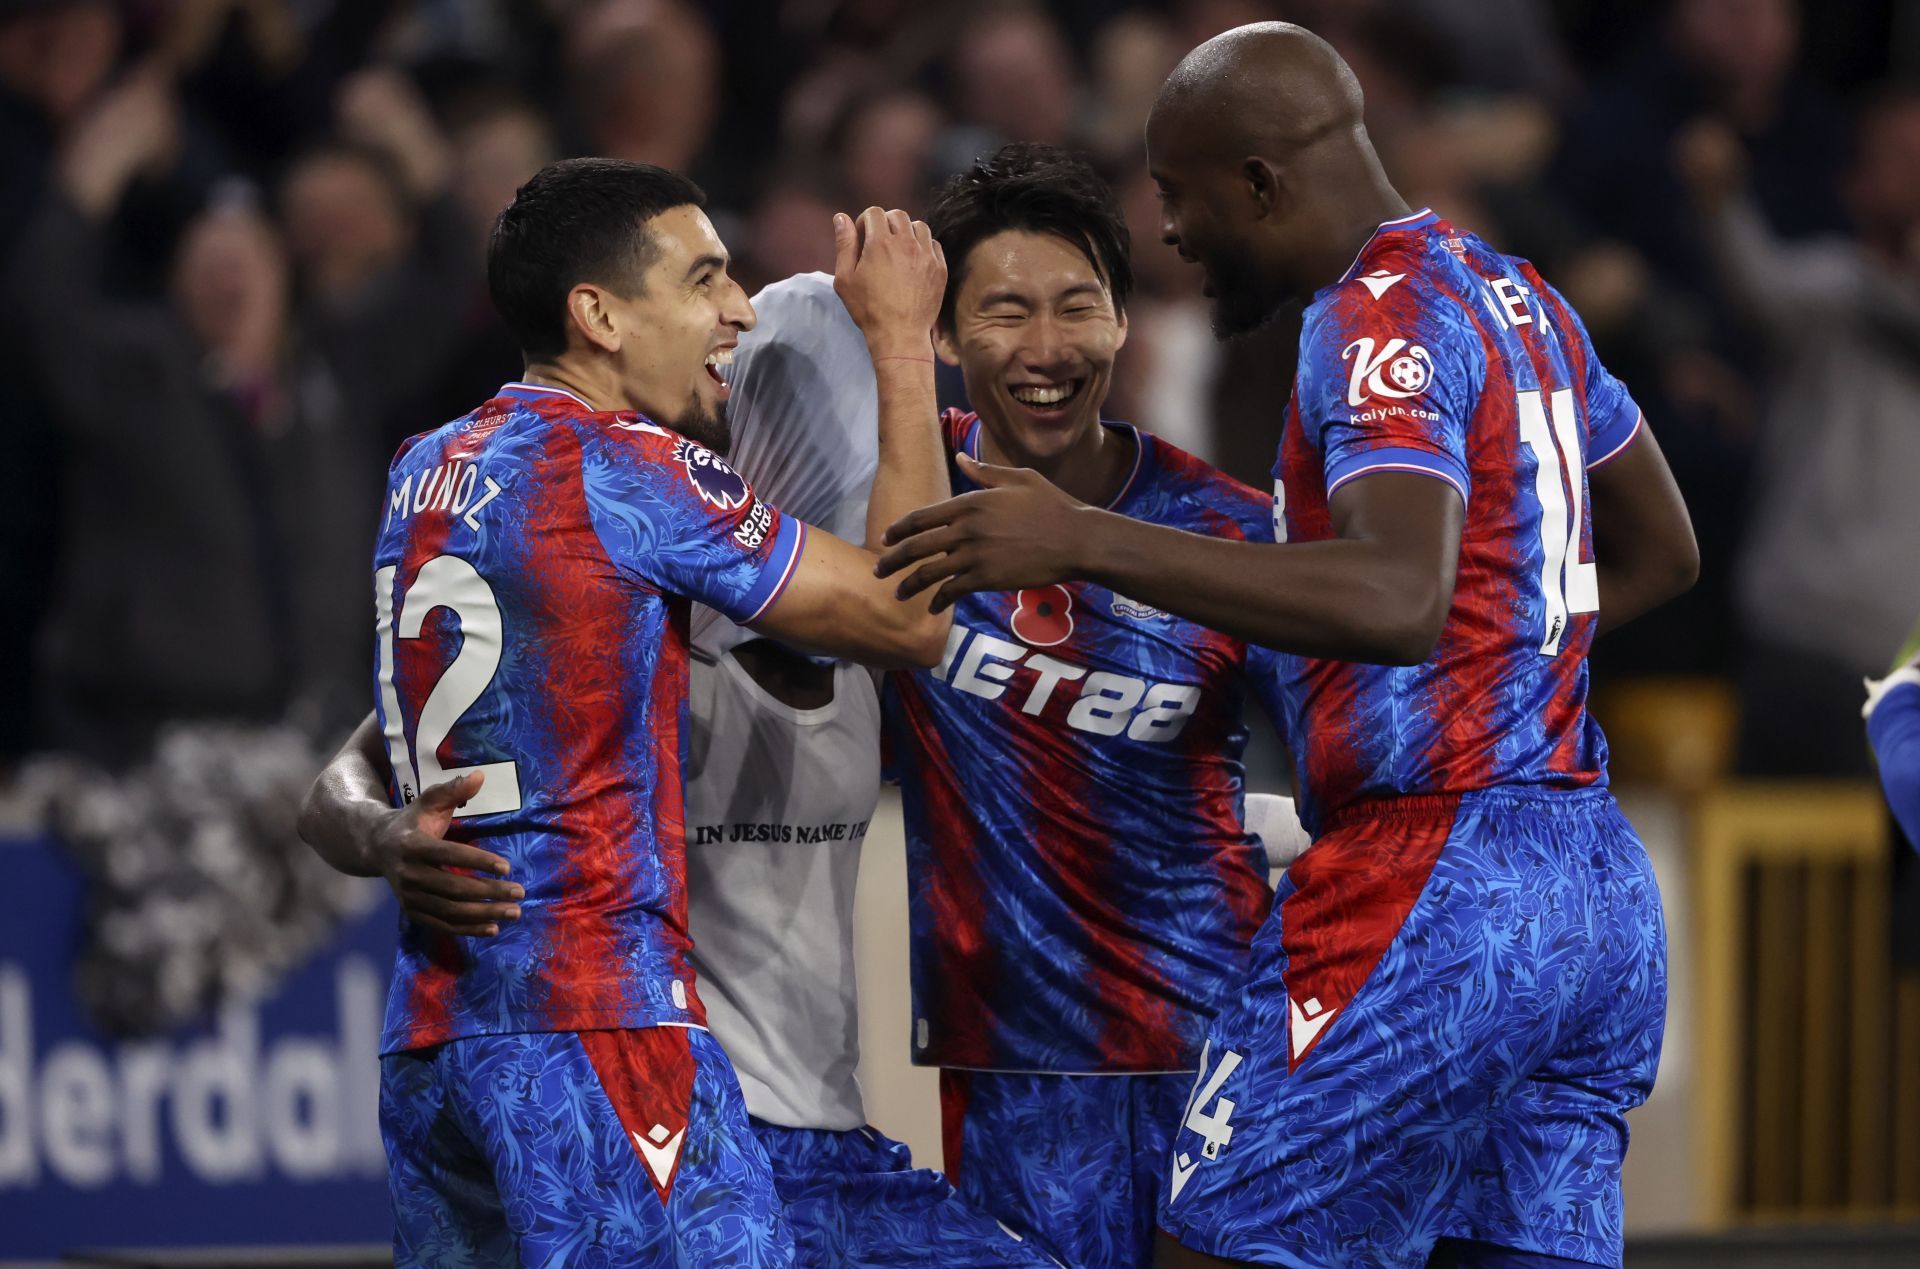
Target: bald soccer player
x=1462, y=988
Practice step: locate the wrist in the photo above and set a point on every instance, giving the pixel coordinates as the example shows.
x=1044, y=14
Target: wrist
x=1086, y=548
x=899, y=346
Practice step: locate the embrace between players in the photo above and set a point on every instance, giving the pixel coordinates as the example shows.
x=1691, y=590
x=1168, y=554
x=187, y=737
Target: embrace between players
x=1419, y=1051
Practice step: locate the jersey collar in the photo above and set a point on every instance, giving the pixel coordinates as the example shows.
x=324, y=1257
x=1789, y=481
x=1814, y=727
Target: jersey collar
x=535, y=391
x=1412, y=220
x=970, y=445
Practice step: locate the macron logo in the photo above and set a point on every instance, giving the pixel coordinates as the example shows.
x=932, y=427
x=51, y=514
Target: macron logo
x=1379, y=282
x=1305, y=1023
x=661, y=1154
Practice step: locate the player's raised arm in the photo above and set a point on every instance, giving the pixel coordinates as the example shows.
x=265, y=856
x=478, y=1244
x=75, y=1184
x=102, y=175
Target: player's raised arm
x=891, y=275
x=349, y=822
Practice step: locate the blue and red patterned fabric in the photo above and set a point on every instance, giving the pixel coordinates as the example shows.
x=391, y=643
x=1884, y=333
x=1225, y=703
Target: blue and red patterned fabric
x=561, y=1149
x=855, y=1201
x=532, y=578
x=1436, y=354
x=1075, y=1163
x=1082, y=890
x=1456, y=1004
x=1462, y=988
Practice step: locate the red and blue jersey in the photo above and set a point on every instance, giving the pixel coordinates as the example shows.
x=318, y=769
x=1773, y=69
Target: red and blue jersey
x=1082, y=891
x=1438, y=355
x=532, y=578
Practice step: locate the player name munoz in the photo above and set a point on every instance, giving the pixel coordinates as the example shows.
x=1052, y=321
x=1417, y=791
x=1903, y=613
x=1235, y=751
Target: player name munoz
x=1105, y=703
x=461, y=488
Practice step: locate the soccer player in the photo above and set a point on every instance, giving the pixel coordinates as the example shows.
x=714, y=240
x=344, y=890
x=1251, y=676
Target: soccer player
x=1462, y=989
x=1083, y=891
x=782, y=777
x=550, y=1096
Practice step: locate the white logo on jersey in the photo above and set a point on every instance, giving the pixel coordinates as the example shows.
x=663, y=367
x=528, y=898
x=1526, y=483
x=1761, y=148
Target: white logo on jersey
x=1397, y=371
x=661, y=1153
x=1124, y=607
x=1106, y=704
x=1305, y=1023
x=1379, y=282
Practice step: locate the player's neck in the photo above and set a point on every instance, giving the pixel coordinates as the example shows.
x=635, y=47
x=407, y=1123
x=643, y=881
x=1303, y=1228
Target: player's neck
x=601, y=393
x=1092, y=469
x=1352, y=220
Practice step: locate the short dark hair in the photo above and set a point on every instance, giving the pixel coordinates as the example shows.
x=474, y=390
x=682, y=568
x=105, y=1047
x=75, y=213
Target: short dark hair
x=578, y=220
x=1041, y=189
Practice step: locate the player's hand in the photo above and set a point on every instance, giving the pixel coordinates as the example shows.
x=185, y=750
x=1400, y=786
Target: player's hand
x=891, y=275
x=412, y=853
x=1018, y=531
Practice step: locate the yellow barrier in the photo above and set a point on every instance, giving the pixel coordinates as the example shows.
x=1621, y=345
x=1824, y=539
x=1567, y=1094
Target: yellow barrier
x=1808, y=1075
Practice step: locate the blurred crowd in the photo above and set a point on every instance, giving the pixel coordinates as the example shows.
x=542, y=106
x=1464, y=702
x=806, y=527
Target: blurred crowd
x=241, y=250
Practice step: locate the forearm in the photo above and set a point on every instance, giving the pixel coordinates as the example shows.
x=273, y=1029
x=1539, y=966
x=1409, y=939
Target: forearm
x=912, y=467
x=347, y=802
x=1345, y=599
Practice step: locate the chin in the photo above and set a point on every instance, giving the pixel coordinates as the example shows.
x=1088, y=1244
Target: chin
x=1237, y=315
x=706, y=425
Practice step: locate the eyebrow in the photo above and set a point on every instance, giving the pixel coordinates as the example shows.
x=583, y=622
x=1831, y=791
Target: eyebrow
x=704, y=262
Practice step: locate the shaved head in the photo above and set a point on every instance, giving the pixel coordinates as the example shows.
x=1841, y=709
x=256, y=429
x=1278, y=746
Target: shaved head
x=1270, y=88
x=1259, y=146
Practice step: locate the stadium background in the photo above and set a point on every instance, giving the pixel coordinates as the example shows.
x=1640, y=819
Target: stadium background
x=240, y=259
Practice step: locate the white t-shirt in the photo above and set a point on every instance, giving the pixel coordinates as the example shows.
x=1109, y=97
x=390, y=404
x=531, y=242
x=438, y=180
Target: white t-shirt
x=778, y=798
x=778, y=801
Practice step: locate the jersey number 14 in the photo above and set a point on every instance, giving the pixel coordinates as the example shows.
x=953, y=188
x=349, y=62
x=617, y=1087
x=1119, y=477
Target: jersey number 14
x=1567, y=583
x=445, y=581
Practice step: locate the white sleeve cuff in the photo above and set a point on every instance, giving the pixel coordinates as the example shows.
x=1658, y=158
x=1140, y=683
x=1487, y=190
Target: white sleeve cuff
x=1876, y=689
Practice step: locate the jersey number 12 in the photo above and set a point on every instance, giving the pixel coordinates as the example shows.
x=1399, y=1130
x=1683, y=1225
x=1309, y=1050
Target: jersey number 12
x=1568, y=584
x=445, y=581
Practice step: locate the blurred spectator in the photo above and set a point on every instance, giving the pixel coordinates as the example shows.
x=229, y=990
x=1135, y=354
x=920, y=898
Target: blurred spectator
x=213, y=551
x=53, y=59
x=1014, y=75
x=883, y=147
x=1827, y=581
x=497, y=143
x=1732, y=60
x=1132, y=57
x=647, y=76
x=791, y=232
x=381, y=249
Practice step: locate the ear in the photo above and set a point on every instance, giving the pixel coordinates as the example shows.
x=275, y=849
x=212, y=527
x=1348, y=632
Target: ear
x=1121, y=342
x=943, y=344
x=1264, y=188
x=589, y=312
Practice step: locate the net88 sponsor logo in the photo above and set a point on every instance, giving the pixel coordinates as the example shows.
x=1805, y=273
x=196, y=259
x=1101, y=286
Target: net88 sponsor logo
x=1104, y=703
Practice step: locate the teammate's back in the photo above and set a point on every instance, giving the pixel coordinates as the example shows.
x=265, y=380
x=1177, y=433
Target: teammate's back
x=1436, y=353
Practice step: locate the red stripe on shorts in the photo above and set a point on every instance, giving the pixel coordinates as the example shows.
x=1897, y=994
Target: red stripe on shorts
x=647, y=1074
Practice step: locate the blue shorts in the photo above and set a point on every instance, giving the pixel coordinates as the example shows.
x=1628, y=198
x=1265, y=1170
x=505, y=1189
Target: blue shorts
x=592, y=1148
x=1451, y=1010
x=855, y=1200
x=1074, y=1163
